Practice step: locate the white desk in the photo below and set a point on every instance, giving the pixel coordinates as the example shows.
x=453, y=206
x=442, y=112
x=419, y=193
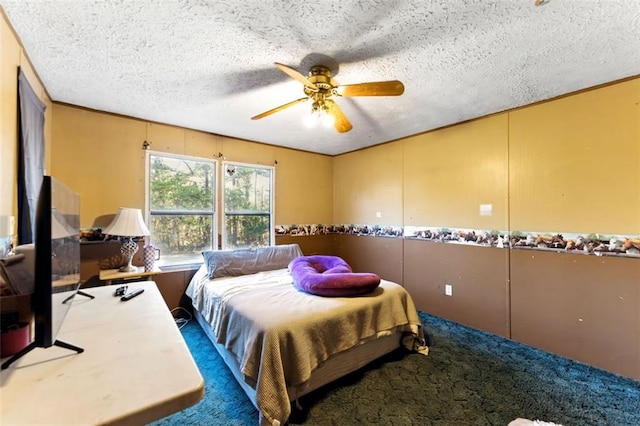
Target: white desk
x=135, y=367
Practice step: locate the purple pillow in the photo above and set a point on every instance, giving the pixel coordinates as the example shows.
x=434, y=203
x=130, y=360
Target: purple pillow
x=330, y=276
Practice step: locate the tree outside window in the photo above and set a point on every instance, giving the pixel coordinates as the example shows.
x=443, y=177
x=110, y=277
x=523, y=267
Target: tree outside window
x=181, y=200
x=248, y=205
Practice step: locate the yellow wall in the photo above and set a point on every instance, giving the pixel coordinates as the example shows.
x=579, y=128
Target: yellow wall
x=100, y=156
x=368, y=182
x=12, y=56
x=575, y=163
x=567, y=165
x=303, y=188
x=449, y=173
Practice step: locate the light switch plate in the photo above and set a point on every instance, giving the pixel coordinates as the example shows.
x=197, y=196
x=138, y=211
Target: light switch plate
x=486, y=209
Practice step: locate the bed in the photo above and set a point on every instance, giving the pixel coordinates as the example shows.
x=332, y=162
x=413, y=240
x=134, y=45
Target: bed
x=282, y=343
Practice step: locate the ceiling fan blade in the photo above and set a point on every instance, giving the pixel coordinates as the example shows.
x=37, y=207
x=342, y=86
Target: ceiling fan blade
x=296, y=75
x=280, y=108
x=375, y=88
x=340, y=121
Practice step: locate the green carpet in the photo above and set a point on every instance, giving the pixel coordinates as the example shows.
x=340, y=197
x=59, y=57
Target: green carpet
x=469, y=378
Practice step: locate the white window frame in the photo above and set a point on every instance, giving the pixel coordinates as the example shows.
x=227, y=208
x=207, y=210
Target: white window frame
x=216, y=190
x=272, y=197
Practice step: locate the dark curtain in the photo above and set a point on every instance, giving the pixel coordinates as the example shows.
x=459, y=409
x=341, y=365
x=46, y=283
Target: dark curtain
x=30, y=157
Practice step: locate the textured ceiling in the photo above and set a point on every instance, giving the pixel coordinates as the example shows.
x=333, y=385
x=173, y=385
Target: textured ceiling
x=209, y=65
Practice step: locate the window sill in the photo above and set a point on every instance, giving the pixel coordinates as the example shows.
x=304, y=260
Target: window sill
x=180, y=268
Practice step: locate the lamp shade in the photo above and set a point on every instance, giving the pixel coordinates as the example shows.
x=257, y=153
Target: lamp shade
x=127, y=223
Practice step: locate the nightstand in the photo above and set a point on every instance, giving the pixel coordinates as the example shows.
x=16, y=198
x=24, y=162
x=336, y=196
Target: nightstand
x=111, y=275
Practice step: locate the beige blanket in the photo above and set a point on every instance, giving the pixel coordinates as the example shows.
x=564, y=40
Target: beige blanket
x=280, y=335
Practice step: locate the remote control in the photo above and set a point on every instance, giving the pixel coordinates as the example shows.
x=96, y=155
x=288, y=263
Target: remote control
x=131, y=295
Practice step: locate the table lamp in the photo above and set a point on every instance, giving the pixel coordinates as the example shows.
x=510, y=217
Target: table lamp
x=128, y=223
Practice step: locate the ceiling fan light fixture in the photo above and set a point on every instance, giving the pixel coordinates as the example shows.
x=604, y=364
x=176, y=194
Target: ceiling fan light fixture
x=319, y=87
x=309, y=121
x=326, y=119
x=320, y=115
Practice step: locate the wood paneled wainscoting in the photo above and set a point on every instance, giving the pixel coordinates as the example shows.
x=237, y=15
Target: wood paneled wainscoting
x=584, y=307
x=309, y=244
x=379, y=255
x=478, y=276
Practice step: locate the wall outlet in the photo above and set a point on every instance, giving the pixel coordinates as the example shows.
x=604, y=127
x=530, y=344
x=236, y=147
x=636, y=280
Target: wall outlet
x=448, y=290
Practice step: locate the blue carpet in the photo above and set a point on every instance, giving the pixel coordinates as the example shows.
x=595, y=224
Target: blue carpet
x=469, y=378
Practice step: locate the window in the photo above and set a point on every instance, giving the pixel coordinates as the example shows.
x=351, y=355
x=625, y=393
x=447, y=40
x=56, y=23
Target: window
x=247, y=206
x=181, y=200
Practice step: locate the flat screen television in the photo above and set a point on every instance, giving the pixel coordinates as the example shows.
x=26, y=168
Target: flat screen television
x=57, y=263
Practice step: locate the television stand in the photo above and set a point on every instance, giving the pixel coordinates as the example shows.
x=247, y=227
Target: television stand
x=68, y=346
x=34, y=345
x=82, y=293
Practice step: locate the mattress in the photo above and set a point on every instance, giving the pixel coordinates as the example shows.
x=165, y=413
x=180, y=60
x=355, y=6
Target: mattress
x=278, y=336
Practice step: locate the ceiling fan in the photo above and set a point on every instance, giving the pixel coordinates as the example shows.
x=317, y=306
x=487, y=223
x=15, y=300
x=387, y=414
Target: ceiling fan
x=320, y=87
